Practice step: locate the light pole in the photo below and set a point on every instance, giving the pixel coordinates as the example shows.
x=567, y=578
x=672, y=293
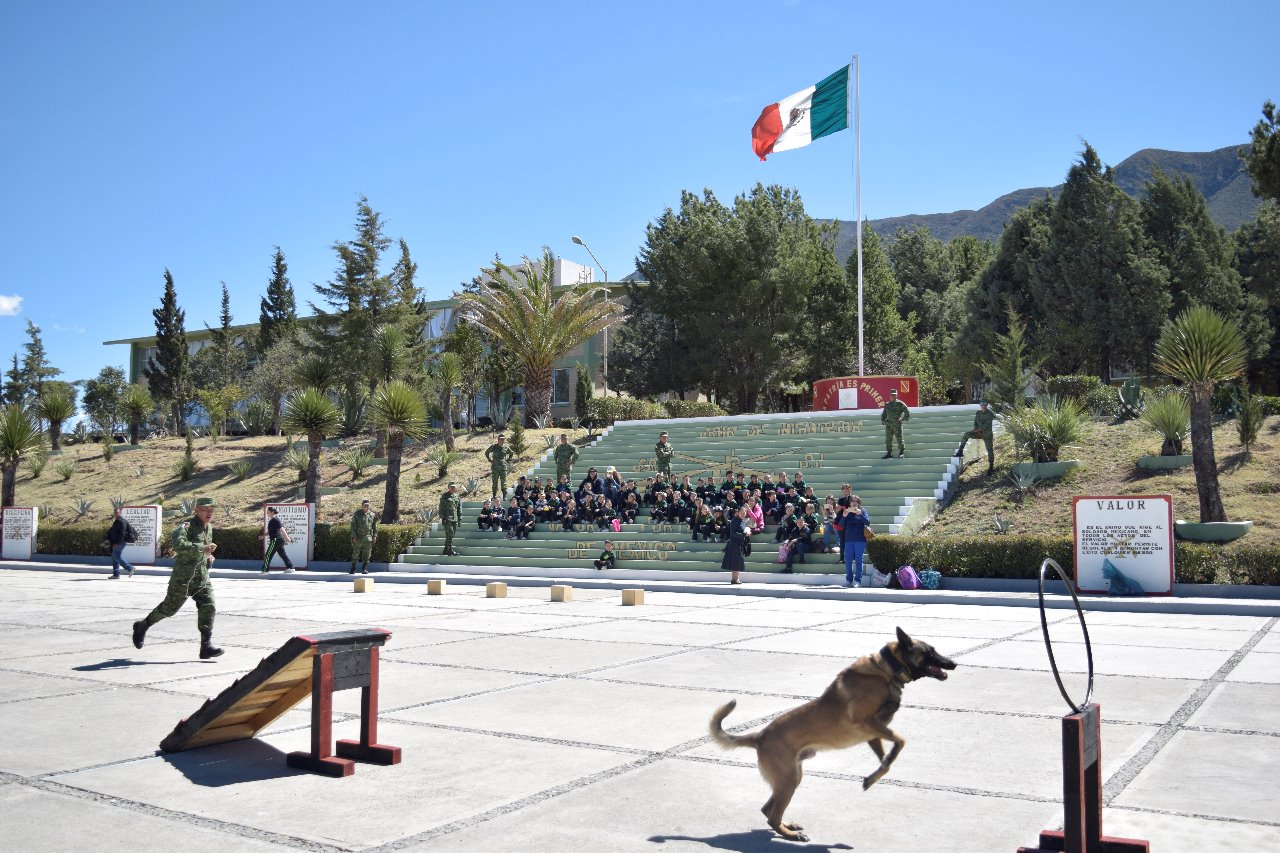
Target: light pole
x=605, y=333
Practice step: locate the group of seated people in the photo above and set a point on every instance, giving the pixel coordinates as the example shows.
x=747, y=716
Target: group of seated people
x=705, y=506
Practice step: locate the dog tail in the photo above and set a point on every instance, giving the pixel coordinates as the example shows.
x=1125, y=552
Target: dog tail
x=726, y=740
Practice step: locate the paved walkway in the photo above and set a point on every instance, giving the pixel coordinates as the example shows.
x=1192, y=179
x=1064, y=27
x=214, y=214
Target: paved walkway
x=534, y=726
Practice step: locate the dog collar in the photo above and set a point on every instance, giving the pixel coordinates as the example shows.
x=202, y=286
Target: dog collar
x=895, y=666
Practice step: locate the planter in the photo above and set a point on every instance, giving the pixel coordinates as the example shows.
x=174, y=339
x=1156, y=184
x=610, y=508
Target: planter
x=1045, y=470
x=1211, y=531
x=1164, y=463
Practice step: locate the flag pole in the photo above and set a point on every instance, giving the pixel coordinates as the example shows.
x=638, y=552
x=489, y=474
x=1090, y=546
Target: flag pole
x=857, y=179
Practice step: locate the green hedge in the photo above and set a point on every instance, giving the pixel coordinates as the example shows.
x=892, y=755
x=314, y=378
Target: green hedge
x=1089, y=391
x=1019, y=557
x=693, y=409
x=333, y=542
x=1270, y=405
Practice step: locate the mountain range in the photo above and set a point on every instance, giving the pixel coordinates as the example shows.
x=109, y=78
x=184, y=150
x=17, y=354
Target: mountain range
x=1219, y=175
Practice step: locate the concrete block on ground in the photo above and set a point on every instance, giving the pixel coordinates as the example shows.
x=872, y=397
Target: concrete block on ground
x=437, y=587
x=561, y=592
x=497, y=589
x=632, y=597
x=364, y=584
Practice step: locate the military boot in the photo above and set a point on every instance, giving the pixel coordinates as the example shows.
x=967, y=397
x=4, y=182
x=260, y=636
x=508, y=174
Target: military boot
x=207, y=648
x=139, y=634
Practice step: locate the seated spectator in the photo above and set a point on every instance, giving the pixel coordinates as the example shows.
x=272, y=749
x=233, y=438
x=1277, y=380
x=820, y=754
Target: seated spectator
x=525, y=526
x=630, y=509
x=798, y=482
x=514, y=518
x=796, y=532
x=591, y=484
x=605, y=514
x=607, y=558
x=830, y=536
x=564, y=485
x=701, y=488
x=487, y=520
x=767, y=485
x=569, y=515
x=755, y=514
x=788, y=512
x=661, y=511
x=769, y=506
x=719, y=525
x=699, y=518
x=613, y=484
x=542, y=508
x=650, y=492
x=808, y=496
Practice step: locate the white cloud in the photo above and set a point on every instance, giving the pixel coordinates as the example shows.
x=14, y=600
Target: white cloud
x=10, y=305
x=75, y=330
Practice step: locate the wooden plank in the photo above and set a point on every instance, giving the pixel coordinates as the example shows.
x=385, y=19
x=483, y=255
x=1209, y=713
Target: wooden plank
x=282, y=705
x=207, y=737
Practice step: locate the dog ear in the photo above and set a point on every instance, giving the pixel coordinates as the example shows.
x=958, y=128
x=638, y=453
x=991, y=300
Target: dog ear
x=903, y=640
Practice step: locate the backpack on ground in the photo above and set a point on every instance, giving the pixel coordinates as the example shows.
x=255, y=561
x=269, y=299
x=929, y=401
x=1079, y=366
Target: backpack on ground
x=783, y=550
x=907, y=578
x=930, y=579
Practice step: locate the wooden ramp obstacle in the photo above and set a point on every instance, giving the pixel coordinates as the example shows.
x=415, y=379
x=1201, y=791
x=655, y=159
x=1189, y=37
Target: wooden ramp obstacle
x=315, y=666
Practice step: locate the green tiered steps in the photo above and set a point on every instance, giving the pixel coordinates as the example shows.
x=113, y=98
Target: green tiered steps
x=827, y=448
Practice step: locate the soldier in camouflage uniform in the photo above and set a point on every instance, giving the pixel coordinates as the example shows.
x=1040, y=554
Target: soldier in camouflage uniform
x=364, y=532
x=894, y=414
x=663, y=453
x=450, y=517
x=984, y=428
x=499, y=456
x=566, y=454
x=193, y=548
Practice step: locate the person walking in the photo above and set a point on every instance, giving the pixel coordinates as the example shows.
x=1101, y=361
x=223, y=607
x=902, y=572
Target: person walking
x=364, y=532
x=120, y=533
x=566, y=454
x=450, y=516
x=894, y=414
x=499, y=456
x=663, y=453
x=193, y=548
x=853, y=542
x=984, y=428
x=277, y=538
x=732, y=561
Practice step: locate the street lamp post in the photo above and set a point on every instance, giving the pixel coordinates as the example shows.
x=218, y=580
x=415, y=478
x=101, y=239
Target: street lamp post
x=605, y=334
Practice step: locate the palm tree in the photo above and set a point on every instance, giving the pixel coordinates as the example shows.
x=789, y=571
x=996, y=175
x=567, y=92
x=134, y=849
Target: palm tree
x=1199, y=348
x=18, y=437
x=137, y=405
x=311, y=412
x=55, y=407
x=398, y=409
x=519, y=308
x=447, y=375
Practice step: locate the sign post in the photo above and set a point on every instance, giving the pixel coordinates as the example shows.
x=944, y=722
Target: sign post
x=299, y=522
x=863, y=392
x=19, y=541
x=1124, y=544
x=145, y=520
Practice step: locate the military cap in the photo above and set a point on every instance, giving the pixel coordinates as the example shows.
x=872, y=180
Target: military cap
x=205, y=502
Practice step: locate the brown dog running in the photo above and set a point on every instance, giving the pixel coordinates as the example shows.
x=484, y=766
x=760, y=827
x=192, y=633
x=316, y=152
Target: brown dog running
x=856, y=708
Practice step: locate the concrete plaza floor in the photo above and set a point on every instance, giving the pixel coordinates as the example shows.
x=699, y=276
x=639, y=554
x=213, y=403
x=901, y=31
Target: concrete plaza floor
x=529, y=725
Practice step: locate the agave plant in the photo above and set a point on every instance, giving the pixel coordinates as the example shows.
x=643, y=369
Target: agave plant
x=81, y=433
x=470, y=486
x=576, y=423
x=240, y=469
x=117, y=502
x=1002, y=524
x=1044, y=429
x=1023, y=480
x=82, y=508
x=187, y=506
x=550, y=441
x=352, y=406
x=442, y=458
x=311, y=412
x=45, y=511
x=19, y=437
x=55, y=407
x=1131, y=404
x=398, y=409
x=356, y=459
x=425, y=517
x=257, y=418
x=1168, y=416
x=1199, y=349
x=542, y=421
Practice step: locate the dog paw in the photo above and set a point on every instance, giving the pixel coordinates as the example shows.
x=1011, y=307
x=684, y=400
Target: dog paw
x=794, y=827
x=867, y=783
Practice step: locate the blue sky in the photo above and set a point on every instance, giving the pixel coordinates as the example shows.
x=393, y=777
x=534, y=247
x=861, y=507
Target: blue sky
x=136, y=136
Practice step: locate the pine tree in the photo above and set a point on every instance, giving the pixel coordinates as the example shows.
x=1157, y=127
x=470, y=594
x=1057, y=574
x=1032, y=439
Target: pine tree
x=36, y=369
x=15, y=389
x=278, y=310
x=886, y=334
x=168, y=373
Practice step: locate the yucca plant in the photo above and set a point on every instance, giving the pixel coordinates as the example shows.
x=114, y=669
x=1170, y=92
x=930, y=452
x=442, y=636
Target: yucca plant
x=356, y=459
x=1199, y=349
x=1044, y=429
x=311, y=412
x=442, y=457
x=447, y=375
x=257, y=418
x=55, y=407
x=397, y=408
x=1168, y=416
x=575, y=423
x=185, y=468
x=352, y=406
x=82, y=508
x=521, y=309
x=240, y=469
x=19, y=437
x=117, y=502
x=1249, y=419
x=138, y=406
x=81, y=433
x=315, y=372
x=65, y=468
x=36, y=462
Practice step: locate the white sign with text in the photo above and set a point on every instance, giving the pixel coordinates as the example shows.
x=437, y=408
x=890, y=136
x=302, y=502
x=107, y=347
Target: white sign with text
x=19, y=541
x=298, y=522
x=146, y=521
x=1124, y=544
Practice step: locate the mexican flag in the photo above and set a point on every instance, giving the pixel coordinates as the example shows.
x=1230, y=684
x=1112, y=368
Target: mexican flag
x=809, y=114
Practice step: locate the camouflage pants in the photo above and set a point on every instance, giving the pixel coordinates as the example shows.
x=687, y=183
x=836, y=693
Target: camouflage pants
x=450, y=527
x=564, y=470
x=664, y=468
x=892, y=431
x=499, y=477
x=361, y=550
x=193, y=584
x=986, y=439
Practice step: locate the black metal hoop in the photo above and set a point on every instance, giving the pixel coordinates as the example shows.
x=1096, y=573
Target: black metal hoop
x=1048, y=645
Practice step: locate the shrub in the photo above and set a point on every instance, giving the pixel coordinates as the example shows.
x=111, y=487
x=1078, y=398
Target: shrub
x=1089, y=391
x=76, y=540
x=333, y=542
x=240, y=469
x=1168, y=416
x=185, y=468
x=603, y=411
x=65, y=468
x=356, y=459
x=1270, y=405
x=516, y=441
x=297, y=459
x=693, y=409
x=108, y=449
x=36, y=462
x=257, y=418
x=1248, y=419
x=1047, y=427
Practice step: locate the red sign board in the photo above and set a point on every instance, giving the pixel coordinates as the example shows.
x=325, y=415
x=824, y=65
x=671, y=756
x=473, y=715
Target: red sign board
x=863, y=392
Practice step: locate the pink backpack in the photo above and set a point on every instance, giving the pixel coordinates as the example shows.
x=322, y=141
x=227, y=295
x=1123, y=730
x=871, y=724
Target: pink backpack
x=617, y=525
x=908, y=578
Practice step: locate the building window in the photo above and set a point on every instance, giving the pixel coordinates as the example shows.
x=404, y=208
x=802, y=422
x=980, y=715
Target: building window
x=560, y=387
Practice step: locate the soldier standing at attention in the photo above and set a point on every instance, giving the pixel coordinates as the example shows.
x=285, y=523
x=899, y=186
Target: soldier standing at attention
x=566, y=454
x=364, y=532
x=894, y=414
x=450, y=517
x=499, y=456
x=193, y=548
x=984, y=428
x=663, y=452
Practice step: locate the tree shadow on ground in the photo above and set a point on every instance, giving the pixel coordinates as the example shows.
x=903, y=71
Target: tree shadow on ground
x=755, y=841
x=217, y=766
